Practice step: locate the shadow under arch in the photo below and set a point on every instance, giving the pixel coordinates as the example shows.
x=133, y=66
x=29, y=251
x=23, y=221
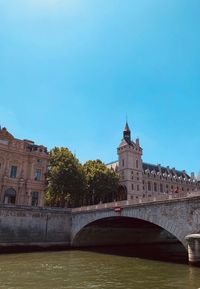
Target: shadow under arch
x=131, y=237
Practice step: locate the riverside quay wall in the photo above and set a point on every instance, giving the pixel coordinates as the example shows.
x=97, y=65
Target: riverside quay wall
x=29, y=226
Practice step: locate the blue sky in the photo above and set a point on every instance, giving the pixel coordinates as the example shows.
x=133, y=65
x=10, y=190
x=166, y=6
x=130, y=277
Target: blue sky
x=71, y=70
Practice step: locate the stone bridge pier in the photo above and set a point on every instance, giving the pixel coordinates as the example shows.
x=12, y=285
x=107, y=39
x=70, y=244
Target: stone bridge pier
x=194, y=248
x=179, y=217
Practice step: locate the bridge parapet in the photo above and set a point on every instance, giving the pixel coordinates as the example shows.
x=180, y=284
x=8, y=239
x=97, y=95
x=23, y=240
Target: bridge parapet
x=138, y=200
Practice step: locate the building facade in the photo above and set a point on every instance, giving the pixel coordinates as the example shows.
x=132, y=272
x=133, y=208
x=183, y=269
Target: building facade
x=23, y=165
x=138, y=178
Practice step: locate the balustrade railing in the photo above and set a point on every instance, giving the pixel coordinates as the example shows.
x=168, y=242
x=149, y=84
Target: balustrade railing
x=138, y=200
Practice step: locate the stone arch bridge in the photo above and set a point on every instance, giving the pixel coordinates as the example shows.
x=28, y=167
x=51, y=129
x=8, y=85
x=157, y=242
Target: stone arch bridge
x=35, y=226
x=178, y=215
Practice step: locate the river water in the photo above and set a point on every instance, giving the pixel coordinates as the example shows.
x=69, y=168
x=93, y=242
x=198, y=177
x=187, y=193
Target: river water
x=76, y=269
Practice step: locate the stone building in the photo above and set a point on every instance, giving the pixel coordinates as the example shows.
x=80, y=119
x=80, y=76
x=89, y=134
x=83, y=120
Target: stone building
x=139, y=178
x=23, y=165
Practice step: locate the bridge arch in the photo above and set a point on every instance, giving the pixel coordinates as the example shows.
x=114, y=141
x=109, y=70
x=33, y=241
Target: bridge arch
x=124, y=231
x=80, y=221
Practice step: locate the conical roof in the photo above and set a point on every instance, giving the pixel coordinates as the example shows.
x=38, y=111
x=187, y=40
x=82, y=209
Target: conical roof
x=126, y=127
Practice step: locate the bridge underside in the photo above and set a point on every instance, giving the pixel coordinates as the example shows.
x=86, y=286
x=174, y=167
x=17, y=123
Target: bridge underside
x=132, y=234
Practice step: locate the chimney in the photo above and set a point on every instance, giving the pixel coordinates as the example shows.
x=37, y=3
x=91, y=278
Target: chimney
x=137, y=142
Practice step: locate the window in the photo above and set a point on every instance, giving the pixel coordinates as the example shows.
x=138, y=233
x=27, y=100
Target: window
x=122, y=163
x=13, y=172
x=138, y=187
x=132, y=186
x=161, y=188
x=155, y=187
x=149, y=186
x=35, y=197
x=10, y=196
x=137, y=164
x=38, y=175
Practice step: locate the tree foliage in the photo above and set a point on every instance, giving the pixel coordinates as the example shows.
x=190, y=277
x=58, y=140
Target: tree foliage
x=102, y=183
x=71, y=184
x=66, y=182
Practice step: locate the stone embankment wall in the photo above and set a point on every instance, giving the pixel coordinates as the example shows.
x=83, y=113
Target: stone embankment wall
x=28, y=226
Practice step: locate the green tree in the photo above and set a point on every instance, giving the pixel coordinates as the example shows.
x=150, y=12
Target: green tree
x=102, y=182
x=66, y=182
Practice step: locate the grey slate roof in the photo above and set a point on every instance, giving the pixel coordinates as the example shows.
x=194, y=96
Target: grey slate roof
x=166, y=170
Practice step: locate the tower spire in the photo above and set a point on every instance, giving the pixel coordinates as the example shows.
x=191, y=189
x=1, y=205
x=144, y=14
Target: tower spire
x=126, y=127
x=127, y=133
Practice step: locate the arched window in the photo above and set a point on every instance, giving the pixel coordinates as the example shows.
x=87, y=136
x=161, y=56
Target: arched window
x=35, y=198
x=10, y=196
x=122, y=193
